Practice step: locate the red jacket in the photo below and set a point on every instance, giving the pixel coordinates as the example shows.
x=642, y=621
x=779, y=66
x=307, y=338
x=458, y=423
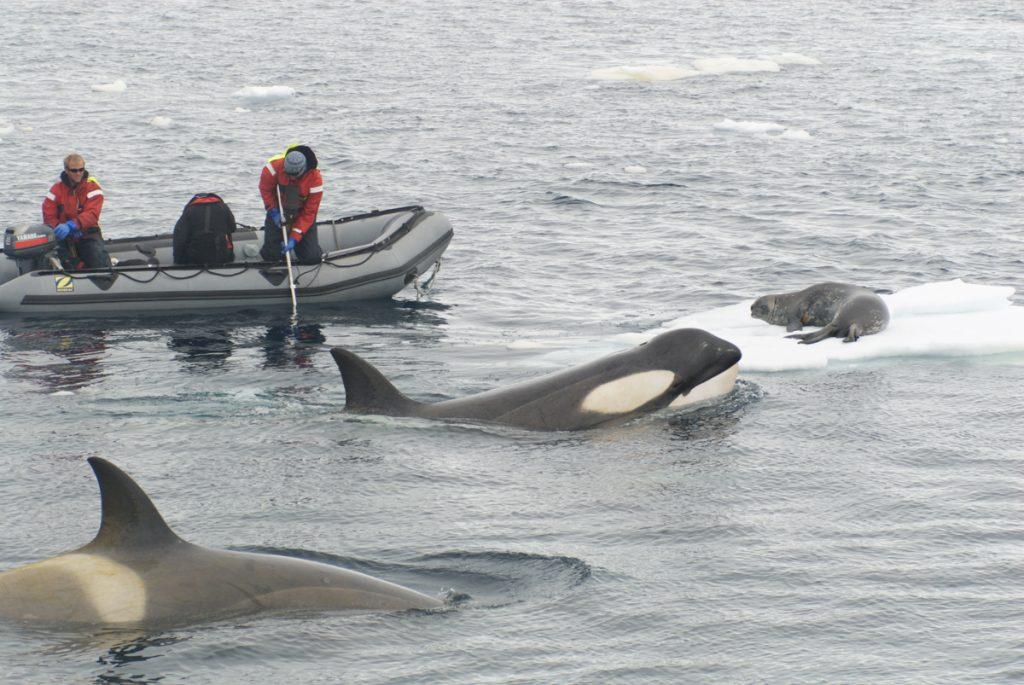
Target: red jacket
x=311, y=191
x=82, y=203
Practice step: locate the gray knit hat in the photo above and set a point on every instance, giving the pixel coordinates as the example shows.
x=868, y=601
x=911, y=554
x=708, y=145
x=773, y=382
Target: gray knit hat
x=295, y=163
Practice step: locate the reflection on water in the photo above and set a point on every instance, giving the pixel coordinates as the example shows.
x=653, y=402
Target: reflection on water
x=288, y=346
x=80, y=350
x=203, y=343
x=128, y=654
x=201, y=350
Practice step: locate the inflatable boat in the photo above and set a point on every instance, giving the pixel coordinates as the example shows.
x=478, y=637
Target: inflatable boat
x=367, y=256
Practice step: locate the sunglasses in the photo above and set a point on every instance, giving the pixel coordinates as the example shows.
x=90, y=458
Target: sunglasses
x=74, y=171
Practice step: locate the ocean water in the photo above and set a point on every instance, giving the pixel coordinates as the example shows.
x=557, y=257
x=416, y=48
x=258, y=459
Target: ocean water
x=850, y=513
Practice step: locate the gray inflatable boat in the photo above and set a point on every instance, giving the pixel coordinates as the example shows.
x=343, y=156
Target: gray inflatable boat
x=367, y=256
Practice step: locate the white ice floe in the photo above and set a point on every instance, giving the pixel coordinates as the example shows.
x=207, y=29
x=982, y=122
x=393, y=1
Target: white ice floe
x=705, y=66
x=5, y=128
x=762, y=128
x=728, y=65
x=242, y=110
x=645, y=72
x=748, y=126
x=118, y=86
x=634, y=169
x=944, y=319
x=161, y=122
x=791, y=58
x=578, y=165
x=256, y=94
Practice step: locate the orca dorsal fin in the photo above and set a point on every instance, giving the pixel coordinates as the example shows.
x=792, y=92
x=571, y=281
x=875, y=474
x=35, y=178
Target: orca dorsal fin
x=129, y=518
x=366, y=388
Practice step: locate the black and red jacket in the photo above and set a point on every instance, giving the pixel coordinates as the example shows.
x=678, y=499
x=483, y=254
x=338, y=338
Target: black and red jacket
x=83, y=203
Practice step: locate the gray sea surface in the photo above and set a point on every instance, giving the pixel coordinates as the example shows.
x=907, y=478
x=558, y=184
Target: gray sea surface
x=861, y=522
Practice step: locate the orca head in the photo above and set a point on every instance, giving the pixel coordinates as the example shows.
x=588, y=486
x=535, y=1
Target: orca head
x=693, y=355
x=657, y=372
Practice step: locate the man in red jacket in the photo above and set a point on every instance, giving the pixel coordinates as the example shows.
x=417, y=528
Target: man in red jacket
x=72, y=210
x=295, y=174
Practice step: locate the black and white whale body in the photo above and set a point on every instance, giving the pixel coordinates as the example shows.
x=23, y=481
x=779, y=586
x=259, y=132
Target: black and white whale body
x=137, y=573
x=674, y=368
x=845, y=311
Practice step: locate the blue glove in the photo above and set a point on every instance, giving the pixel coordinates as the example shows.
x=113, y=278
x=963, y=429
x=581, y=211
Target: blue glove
x=62, y=231
x=288, y=245
x=274, y=214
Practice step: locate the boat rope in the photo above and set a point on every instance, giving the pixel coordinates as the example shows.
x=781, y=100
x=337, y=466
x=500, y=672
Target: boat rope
x=424, y=290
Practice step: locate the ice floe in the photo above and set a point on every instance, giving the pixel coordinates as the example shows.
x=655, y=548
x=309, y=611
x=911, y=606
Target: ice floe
x=118, y=86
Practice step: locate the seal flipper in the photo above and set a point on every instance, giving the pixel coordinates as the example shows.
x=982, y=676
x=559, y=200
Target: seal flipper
x=129, y=517
x=366, y=388
x=794, y=325
x=817, y=336
x=852, y=333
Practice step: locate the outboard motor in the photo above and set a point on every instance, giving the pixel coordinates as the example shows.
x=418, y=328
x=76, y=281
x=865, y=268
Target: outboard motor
x=29, y=246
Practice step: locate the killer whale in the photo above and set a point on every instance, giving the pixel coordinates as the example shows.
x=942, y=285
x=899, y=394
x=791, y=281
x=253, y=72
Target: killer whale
x=673, y=368
x=137, y=572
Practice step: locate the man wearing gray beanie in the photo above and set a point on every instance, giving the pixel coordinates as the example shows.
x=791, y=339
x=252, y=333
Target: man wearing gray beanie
x=295, y=173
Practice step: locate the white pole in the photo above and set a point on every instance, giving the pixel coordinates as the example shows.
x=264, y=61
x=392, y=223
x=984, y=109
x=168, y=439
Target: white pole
x=287, y=257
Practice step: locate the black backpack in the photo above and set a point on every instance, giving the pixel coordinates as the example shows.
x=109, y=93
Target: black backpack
x=203, y=232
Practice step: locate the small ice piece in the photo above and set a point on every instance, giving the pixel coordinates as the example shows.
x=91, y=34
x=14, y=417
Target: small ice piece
x=645, y=72
x=728, y=64
x=634, y=169
x=118, y=86
x=748, y=126
x=5, y=128
x=242, y=110
x=161, y=122
x=264, y=93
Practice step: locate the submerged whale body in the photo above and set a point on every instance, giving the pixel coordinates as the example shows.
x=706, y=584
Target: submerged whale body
x=136, y=572
x=672, y=369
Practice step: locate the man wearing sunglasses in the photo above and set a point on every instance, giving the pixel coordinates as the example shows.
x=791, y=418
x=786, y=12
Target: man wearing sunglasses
x=72, y=209
x=295, y=174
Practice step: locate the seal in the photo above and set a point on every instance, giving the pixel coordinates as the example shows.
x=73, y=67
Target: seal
x=845, y=311
x=682, y=366
x=137, y=573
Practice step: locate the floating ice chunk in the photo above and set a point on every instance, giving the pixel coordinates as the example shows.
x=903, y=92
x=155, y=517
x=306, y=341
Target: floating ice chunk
x=578, y=165
x=762, y=128
x=5, y=128
x=161, y=122
x=525, y=345
x=118, y=86
x=242, y=110
x=749, y=126
x=791, y=58
x=795, y=134
x=646, y=72
x=634, y=169
x=26, y=129
x=729, y=64
x=264, y=93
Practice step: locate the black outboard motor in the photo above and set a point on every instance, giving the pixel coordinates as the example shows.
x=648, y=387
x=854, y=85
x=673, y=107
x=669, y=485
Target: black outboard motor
x=29, y=246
